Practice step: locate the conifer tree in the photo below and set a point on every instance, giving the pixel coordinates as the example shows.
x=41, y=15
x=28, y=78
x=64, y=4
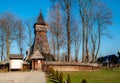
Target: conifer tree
x=68, y=79
x=61, y=78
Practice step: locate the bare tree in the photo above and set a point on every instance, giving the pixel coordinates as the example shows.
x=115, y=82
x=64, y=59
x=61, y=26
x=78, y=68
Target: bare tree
x=56, y=28
x=94, y=15
x=20, y=35
x=2, y=41
x=30, y=30
x=75, y=37
x=83, y=11
x=8, y=25
x=53, y=45
x=77, y=42
x=100, y=16
x=2, y=46
x=102, y=19
x=66, y=6
x=93, y=45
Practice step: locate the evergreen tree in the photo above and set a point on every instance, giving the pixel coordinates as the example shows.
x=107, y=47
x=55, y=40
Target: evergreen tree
x=61, y=78
x=84, y=81
x=57, y=75
x=68, y=79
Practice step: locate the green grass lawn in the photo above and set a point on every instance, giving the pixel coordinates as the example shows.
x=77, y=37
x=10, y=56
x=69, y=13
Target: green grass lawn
x=101, y=76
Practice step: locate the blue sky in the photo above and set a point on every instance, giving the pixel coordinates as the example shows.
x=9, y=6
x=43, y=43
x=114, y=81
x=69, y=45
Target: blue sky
x=110, y=46
x=25, y=8
x=31, y=8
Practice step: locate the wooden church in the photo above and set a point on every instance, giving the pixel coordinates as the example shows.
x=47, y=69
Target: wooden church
x=39, y=51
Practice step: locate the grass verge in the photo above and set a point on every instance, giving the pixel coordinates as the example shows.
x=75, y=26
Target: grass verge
x=101, y=76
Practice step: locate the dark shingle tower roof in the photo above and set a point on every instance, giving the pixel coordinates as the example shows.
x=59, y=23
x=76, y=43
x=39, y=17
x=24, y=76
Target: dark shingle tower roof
x=40, y=19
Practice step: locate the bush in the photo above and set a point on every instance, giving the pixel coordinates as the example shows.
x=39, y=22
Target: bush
x=84, y=81
x=68, y=79
x=51, y=71
x=61, y=78
x=57, y=75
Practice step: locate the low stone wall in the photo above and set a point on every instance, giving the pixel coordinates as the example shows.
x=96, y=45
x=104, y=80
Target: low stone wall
x=63, y=66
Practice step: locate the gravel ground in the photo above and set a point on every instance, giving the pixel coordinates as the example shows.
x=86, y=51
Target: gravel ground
x=23, y=77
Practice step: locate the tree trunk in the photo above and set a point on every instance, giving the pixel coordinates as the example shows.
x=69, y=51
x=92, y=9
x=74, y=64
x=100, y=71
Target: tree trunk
x=93, y=48
x=99, y=38
x=54, y=47
x=83, y=41
x=76, y=55
x=2, y=46
x=58, y=49
x=7, y=49
x=68, y=32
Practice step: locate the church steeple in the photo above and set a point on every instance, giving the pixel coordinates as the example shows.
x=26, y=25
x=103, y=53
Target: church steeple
x=40, y=19
x=40, y=41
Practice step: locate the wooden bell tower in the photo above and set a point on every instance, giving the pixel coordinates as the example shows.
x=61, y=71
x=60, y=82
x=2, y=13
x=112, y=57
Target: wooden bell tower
x=40, y=41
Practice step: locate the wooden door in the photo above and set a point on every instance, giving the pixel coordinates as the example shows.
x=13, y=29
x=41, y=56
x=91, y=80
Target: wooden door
x=39, y=65
x=36, y=64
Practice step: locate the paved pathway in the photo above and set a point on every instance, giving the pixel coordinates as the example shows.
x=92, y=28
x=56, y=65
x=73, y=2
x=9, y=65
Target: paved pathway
x=23, y=77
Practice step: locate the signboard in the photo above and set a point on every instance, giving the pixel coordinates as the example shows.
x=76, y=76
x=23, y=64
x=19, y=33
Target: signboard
x=16, y=64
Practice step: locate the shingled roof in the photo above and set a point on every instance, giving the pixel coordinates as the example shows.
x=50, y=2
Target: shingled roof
x=15, y=56
x=40, y=19
x=37, y=55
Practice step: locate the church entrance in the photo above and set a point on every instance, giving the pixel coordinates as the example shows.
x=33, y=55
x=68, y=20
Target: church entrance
x=37, y=64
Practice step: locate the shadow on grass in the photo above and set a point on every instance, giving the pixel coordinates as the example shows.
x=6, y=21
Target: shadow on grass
x=52, y=78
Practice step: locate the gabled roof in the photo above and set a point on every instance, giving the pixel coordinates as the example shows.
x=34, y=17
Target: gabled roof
x=37, y=55
x=15, y=56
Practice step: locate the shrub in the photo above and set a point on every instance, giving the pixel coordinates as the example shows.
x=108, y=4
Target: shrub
x=48, y=71
x=68, y=79
x=52, y=71
x=84, y=81
x=61, y=78
x=57, y=75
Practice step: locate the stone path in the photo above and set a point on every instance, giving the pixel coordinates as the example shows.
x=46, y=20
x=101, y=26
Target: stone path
x=23, y=77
